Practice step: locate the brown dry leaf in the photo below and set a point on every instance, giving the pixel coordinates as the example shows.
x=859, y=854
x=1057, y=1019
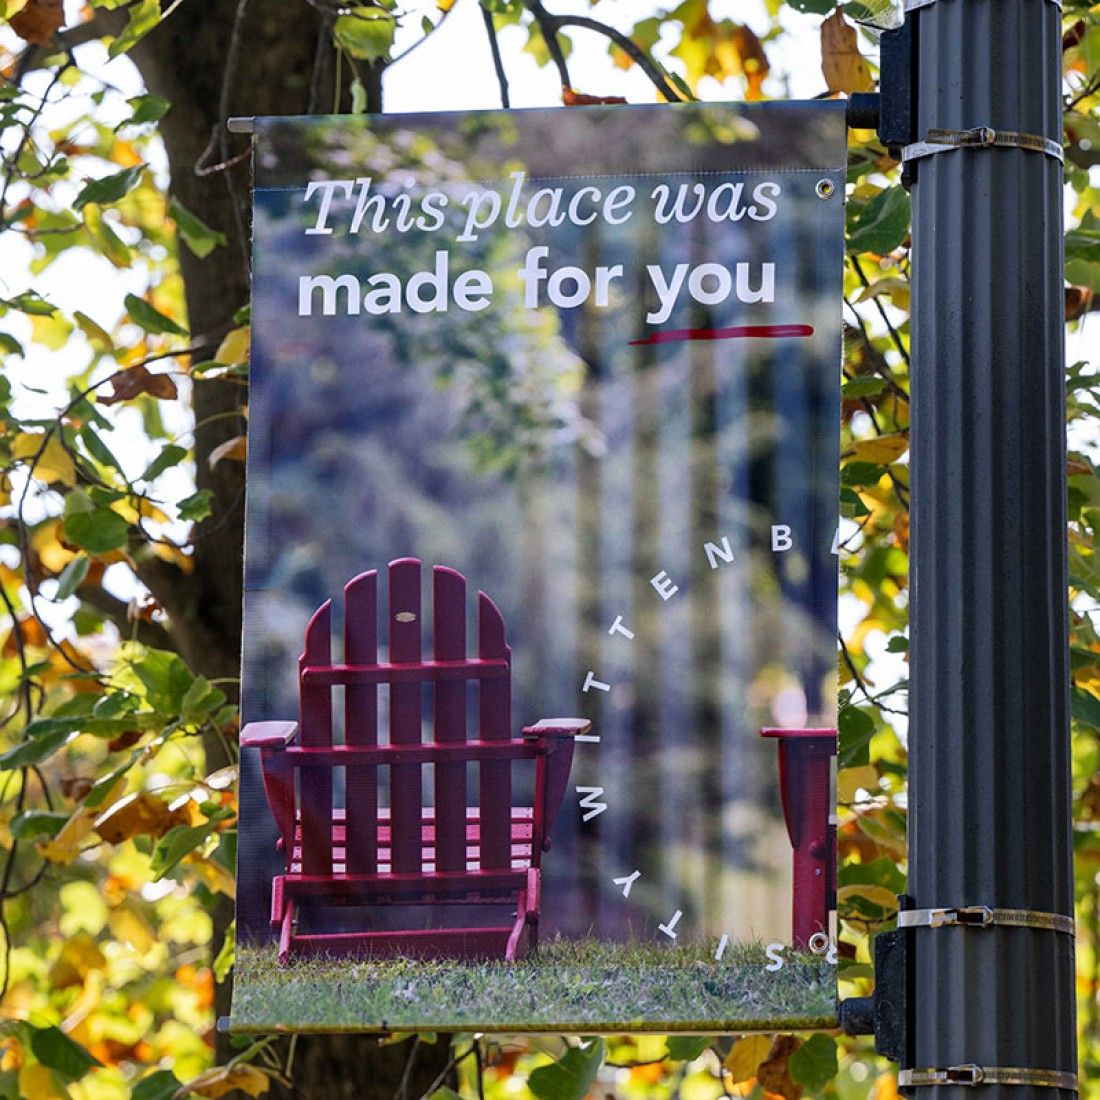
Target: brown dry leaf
x=842, y=65
x=224, y=1079
x=39, y=21
x=580, y=99
x=136, y=814
x=28, y=630
x=138, y=380
x=754, y=62
x=235, y=449
x=1078, y=300
x=76, y=787
x=746, y=1055
x=774, y=1075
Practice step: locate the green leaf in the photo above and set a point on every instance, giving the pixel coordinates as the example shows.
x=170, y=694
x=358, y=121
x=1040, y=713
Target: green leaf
x=110, y=188
x=35, y=823
x=571, y=1076
x=366, y=35
x=37, y=747
x=856, y=728
x=146, y=108
x=150, y=319
x=162, y=1085
x=9, y=345
x=686, y=1048
x=1085, y=707
x=30, y=302
x=97, y=448
x=444, y=1093
x=201, y=699
x=170, y=456
x=179, y=842
x=95, y=529
x=166, y=677
x=814, y=1063
x=867, y=386
x=72, y=577
x=224, y=958
x=358, y=97
x=54, y=1049
x=195, y=233
x=882, y=224
x=144, y=16
x=196, y=507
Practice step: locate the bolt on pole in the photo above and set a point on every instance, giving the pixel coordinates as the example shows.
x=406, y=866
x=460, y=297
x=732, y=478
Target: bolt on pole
x=990, y=799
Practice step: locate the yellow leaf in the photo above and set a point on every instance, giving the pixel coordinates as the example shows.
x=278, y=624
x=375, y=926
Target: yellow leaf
x=745, y=1057
x=125, y=154
x=881, y=449
x=234, y=348
x=235, y=449
x=171, y=553
x=850, y=780
x=144, y=510
x=877, y=895
x=885, y=1087
x=53, y=464
x=51, y=331
x=130, y=927
x=66, y=845
x=841, y=62
x=79, y=957
x=214, y=876
x=224, y=1079
x=36, y=1083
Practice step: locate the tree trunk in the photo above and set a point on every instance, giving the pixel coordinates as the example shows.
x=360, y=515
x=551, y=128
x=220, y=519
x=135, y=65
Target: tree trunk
x=255, y=57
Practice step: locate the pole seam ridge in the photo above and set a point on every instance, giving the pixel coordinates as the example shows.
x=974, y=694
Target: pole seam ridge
x=913, y=5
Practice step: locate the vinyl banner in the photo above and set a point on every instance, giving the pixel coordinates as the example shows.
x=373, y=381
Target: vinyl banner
x=539, y=650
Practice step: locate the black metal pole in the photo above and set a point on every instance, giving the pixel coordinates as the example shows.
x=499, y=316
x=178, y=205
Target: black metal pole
x=990, y=805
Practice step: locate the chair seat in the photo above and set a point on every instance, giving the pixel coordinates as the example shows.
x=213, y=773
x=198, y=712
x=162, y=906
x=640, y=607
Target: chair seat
x=521, y=829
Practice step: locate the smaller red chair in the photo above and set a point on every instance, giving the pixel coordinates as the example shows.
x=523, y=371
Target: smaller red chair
x=806, y=792
x=409, y=854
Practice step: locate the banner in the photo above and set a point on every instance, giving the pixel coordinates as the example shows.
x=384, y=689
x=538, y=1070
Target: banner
x=542, y=501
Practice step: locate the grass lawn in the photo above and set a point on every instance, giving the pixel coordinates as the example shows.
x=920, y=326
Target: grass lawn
x=569, y=986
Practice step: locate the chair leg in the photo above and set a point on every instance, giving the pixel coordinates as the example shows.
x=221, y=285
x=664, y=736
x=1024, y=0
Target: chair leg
x=511, y=952
x=285, y=933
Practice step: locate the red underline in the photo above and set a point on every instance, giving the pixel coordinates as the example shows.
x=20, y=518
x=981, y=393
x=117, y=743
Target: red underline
x=771, y=332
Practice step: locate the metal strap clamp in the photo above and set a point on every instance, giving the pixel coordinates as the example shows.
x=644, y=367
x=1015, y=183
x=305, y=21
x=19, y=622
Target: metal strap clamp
x=971, y=1076
x=982, y=916
x=980, y=137
x=912, y=5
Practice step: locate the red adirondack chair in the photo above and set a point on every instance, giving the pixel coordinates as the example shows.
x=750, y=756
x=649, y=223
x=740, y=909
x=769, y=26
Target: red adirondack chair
x=805, y=790
x=407, y=853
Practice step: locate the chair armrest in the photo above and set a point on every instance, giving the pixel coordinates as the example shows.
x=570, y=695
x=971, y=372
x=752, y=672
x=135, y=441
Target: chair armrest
x=557, y=727
x=268, y=735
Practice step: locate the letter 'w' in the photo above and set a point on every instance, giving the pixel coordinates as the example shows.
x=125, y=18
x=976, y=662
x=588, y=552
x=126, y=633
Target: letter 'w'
x=590, y=802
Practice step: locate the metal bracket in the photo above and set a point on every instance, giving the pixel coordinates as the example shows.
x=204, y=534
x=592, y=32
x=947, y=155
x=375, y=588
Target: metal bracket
x=980, y=137
x=982, y=916
x=971, y=1076
x=240, y=124
x=886, y=1013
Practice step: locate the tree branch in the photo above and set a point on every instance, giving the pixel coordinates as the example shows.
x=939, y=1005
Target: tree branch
x=548, y=26
x=148, y=633
x=498, y=61
x=628, y=46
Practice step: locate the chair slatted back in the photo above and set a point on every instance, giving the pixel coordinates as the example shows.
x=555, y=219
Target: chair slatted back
x=361, y=723
x=315, y=722
x=407, y=839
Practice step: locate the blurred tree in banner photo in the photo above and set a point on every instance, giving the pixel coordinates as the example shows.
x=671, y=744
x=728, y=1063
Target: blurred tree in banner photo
x=124, y=207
